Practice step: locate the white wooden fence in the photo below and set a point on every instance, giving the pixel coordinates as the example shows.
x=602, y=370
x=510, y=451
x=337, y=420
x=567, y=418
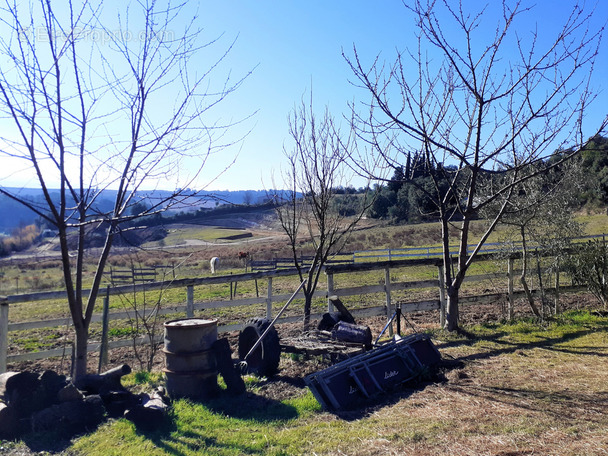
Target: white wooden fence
x=387, y=289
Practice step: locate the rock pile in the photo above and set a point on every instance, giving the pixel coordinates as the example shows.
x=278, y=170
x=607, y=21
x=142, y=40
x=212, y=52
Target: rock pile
x=48, y=401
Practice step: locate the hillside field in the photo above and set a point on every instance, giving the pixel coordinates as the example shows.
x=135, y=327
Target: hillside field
x=519, y=388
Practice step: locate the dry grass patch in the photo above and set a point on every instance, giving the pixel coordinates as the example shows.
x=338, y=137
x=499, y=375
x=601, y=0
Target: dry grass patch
x=542, y=394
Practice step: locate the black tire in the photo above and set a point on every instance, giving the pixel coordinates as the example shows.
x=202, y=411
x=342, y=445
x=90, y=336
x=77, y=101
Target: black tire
x=264, y=361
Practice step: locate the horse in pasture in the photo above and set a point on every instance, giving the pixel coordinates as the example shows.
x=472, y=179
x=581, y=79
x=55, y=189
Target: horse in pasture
x=214, y=264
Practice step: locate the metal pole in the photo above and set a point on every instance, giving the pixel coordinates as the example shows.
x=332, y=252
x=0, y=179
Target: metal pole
x=398, y=316
x=442, y=300
x=259, y=341
x=387, y=289
x=269, y=299
x=3, y=333
x=103, y=348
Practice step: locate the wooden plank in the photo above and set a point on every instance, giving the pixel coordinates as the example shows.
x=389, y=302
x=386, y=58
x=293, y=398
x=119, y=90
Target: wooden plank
x=219, y=279
x=432, y=304
x=434, y=283
x=429, y=305
x=482, y=277
x=345, y=292
x=32, y=356
x=355, y=291
x=66, y=321
x=162, y=285
x=357, y=267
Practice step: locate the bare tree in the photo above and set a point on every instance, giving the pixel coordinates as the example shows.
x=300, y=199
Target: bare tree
x=99, y=110
x=475, y=102
x=317, y=168
x=541, y=217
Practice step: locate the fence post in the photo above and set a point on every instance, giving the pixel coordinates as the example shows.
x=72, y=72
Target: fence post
x=556, y=303
x=387, y=288
x=103, y=347
x=190, y=301
x=330, y=291
x=511, y=304
x=442, y=301
x=3, y=333
x=269, y=299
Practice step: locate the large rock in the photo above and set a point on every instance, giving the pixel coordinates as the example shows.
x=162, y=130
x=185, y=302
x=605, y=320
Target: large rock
x=9, y=422
x=28, y=392
x=70, y=418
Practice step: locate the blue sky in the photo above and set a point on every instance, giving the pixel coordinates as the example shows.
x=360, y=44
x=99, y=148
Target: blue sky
x=295, y=45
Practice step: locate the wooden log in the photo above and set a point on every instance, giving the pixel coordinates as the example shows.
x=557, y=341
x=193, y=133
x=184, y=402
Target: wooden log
x=4, y=379
x=117, y=372
x=225, y=366
x=50, y=384
x=346, y=315
x=21, y=390
x=117, y=402
x=104, y=382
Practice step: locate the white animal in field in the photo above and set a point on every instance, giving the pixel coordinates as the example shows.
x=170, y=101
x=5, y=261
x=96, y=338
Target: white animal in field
x=214, y=264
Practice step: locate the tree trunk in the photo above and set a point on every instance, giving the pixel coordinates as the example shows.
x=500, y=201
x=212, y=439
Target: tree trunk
x=80, y=350
x=529, y=297
x=307, y=307
x=524, y=271
x=451, y=316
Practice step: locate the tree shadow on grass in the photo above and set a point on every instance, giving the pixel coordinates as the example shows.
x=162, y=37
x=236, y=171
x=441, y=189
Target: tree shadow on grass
x=572, y=406
x=250, y=406
x=247, y=407
x=366, y=407
x=171, y=440
x=47, y=442
x=506, y=346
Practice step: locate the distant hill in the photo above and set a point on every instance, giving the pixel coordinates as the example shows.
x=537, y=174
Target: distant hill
x=13, y=214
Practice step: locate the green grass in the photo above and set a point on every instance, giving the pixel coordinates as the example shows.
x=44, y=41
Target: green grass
x=594, y=223
x=526, y=372
x=200, y=233
x=227, y=426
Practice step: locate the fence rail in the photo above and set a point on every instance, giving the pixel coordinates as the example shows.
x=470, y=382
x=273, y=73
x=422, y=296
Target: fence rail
x=436, y=251
x=387, y=289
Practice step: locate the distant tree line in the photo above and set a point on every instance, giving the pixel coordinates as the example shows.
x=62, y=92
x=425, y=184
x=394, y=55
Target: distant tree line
x=20, y=239
x=407, y=197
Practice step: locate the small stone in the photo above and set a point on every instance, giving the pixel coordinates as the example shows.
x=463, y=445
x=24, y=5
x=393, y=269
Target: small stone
x=69, y=393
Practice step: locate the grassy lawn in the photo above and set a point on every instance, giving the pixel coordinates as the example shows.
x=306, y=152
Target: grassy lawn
x=520, y=388
x=200, y=233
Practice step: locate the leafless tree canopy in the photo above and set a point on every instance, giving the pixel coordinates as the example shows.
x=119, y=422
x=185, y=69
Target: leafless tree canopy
x=96, y=96
x=476, y=100
x=317, y=168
